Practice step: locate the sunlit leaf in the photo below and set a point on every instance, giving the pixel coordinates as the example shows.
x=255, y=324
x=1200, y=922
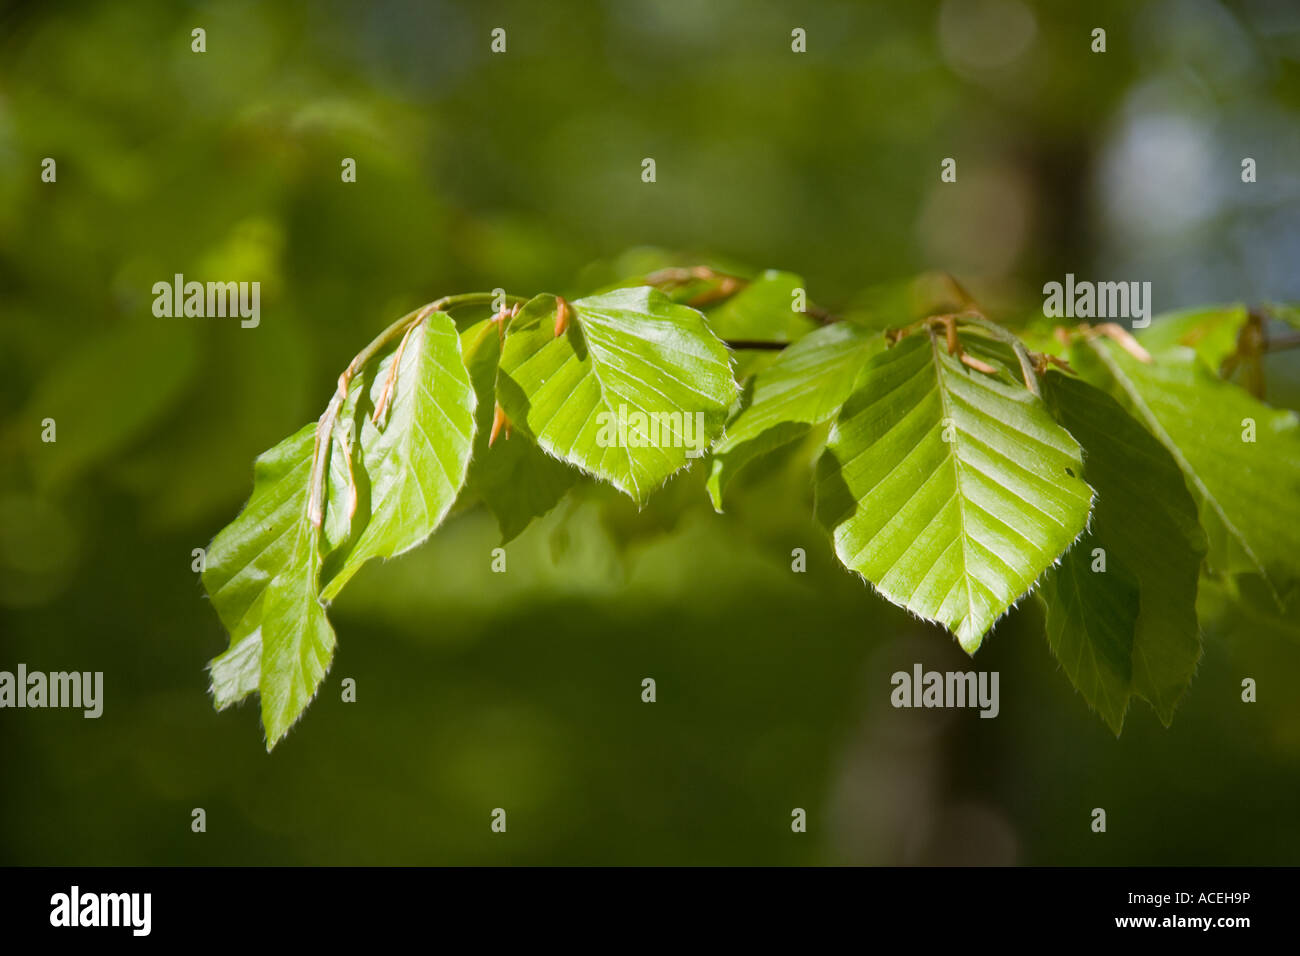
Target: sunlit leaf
x=631, y=386
x=763, y=311
x=398, y=456
x=414, y=459
x=297, y=640
x=948, y=489
x=512, y=476
x=249, y=553
x=1210, y=332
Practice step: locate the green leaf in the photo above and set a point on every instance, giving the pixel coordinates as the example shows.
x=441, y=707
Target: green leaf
x=634, y=383
x=1210, y=332
x=512, y=476
x=249, y=553
x=415, y=458
x=237, y=672
x=1248, y=492
x=763, y=311
x=805, y=386
x=384, y=494
x=1129, y=626
x=1091, y=627
x=297, y=640
x=950, y=490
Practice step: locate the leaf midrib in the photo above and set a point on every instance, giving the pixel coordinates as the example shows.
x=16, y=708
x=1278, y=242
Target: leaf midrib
x=957, y=476
x=596, y=364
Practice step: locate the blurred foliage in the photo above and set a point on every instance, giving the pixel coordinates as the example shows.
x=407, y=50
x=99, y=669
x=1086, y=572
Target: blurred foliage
x=522, y=170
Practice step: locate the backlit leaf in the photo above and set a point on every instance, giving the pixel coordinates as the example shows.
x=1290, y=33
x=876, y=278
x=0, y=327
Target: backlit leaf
x=512, y=476
x=414, y=459
x=949, y=489
x=297, y=639
x=1210, y=332
x=762, y=311
x=633, y=384
x=389, y=483
x=248, y=554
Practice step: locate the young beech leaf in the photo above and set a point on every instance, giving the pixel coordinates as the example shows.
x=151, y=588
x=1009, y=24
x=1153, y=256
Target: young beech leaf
x=949, y=489
x=398, y=455
x=805, y=386
x=513, y=477
x=762, y=311
x=633, y=384
x=1240, y=457
x=413, y=460
x=237, y=672
x=1210, y=332
x=1091, y=627
x=1123, y=621
x=248, y=554
x=346, y=476
x=297, y=640
x=253, y=549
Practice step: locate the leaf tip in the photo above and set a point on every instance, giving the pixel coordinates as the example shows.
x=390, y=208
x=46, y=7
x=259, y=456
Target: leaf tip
x=970, y=637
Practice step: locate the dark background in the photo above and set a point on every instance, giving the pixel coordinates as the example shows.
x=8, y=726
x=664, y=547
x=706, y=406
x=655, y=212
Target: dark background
x=522, y=170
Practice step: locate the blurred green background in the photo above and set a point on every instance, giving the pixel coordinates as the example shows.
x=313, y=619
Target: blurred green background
x=474, y=170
